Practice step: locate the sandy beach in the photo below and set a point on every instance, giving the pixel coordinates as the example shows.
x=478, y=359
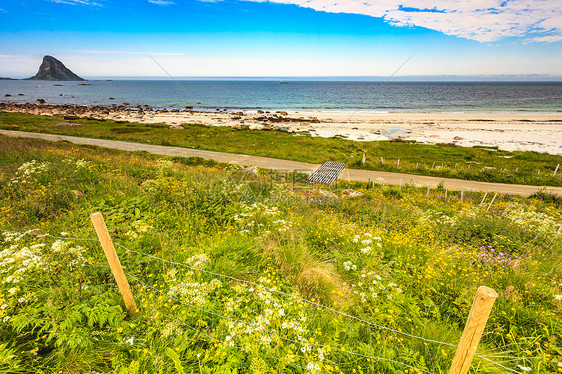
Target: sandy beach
x=524, y=131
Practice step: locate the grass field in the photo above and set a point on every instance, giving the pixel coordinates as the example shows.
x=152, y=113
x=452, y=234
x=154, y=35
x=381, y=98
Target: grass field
x=446, y=160
x=392, y=257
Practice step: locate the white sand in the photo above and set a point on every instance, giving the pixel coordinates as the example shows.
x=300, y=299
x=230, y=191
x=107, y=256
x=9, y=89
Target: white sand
x=526, y=131
x=539, y=132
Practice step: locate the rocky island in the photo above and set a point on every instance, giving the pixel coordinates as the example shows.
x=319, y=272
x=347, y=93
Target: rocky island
x=53, y=70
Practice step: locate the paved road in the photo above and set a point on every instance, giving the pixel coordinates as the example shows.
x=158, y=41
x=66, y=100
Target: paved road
x=286, y=165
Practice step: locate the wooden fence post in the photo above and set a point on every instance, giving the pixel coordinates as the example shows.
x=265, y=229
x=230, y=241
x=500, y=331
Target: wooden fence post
x=479, y=313
x=114, y=264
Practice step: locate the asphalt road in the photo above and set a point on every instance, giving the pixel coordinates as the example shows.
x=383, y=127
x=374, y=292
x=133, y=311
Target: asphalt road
x=303, y=167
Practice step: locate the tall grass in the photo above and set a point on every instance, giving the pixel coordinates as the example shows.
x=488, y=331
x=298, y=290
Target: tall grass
x=393, y=257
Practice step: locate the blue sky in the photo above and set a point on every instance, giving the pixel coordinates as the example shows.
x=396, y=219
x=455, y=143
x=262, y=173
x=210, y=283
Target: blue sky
x=103, y=38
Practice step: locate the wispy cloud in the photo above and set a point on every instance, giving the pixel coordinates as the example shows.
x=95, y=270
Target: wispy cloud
x=545, y=38
x=130, y=52
x=76, y=2
x=480, y=20
x=161, y=2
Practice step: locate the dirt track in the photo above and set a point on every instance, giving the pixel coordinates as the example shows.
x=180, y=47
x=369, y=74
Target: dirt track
x=286, y=165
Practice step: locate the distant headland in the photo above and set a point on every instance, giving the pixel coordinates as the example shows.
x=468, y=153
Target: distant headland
x=52, y=69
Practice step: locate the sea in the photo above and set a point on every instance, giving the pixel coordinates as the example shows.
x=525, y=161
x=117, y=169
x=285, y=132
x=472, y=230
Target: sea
x=295, y=96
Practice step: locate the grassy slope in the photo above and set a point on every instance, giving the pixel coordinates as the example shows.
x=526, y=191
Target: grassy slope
x=65, y=316
x=438, y=160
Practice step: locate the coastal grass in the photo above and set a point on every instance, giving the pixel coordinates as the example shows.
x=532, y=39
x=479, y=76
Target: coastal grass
x=394, y=257
x=443, y=160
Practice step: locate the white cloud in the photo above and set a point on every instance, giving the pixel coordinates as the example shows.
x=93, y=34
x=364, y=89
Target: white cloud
x=546, y=38
x=76, y=2
x=161, y=2
x=480, y=20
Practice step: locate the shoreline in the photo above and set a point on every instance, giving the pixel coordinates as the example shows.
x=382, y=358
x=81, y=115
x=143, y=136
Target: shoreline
x=281, y=165
x=510, y=131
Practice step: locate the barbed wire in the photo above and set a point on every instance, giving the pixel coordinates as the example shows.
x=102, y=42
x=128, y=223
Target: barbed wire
x=178, y=301
x=313, y=303
x=288, y=295
x=189, y=305
x=279, y=336
x=30, y=232
x=498, y=364
x=360, y=355
x=209, y=336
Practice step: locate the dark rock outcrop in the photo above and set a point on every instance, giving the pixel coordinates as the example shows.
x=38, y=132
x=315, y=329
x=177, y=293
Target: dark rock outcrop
x=53, y=70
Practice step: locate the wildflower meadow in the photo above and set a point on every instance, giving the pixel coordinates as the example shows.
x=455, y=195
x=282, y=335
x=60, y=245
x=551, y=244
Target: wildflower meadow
x=233, y=272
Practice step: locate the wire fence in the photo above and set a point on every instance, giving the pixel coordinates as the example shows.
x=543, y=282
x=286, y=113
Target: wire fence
x=144, y=284
x=284, y=338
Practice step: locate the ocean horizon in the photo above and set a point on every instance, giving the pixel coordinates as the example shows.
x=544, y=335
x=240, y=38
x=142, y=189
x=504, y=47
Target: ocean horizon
x=296, y=95
x=428, y=78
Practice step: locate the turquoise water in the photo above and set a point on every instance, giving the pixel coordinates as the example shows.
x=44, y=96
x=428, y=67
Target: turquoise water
x=297, y=95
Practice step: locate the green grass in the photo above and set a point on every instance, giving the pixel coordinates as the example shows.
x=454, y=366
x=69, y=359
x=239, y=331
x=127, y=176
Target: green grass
x=445, y=160
x=61, y=311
